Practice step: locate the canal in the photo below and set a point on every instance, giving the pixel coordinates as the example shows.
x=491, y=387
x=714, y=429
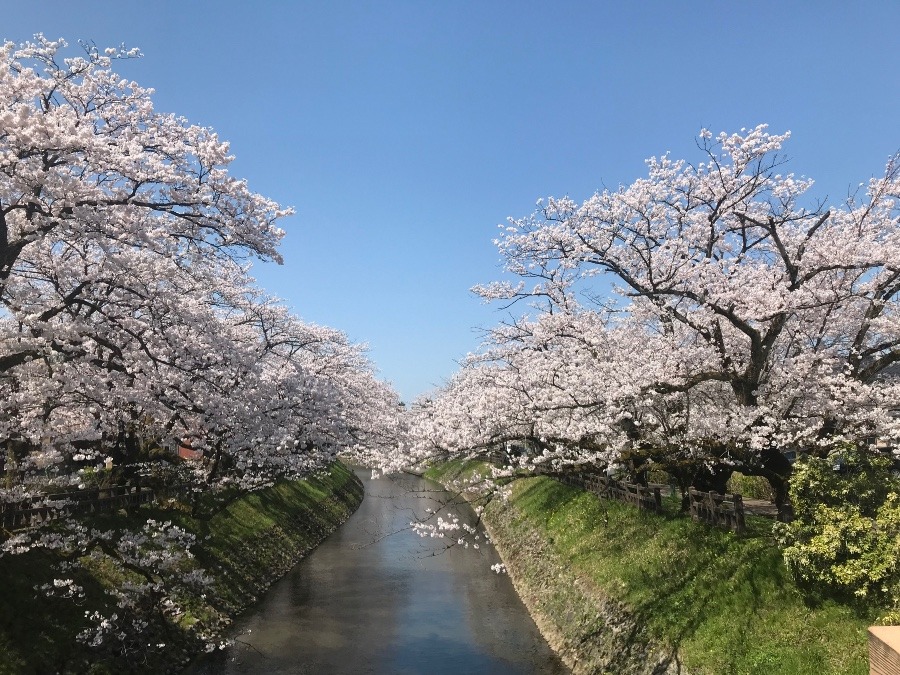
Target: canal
x=377, y=598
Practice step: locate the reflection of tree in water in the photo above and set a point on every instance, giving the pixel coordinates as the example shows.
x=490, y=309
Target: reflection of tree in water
x=418, y=506
x=484, y=602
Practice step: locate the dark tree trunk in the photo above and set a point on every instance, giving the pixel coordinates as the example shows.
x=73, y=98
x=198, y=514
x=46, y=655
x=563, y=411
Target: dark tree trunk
x=712, y=477
x=777, y=470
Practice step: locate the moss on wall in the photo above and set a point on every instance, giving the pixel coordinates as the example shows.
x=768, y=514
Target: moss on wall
x=244, y=548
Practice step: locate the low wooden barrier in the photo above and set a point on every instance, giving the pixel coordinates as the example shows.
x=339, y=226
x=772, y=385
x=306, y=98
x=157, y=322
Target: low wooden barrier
x=41, y=509
x=641, y=496
x=647, y=498
x=721, y=510
x=497, y=458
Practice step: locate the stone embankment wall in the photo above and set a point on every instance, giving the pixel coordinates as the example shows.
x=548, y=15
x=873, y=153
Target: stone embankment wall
x=259, y=558
x=590, y=632
x=243, y=548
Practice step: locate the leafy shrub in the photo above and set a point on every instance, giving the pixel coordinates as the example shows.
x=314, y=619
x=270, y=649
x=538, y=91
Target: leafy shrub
x=754, y=487
x=845, y=539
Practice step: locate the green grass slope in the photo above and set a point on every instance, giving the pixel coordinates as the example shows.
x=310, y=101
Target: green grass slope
x=615, y=587
x=244, y=548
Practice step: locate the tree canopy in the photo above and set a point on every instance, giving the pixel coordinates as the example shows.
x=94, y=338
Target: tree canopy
x=129, y=320
x=746, y=321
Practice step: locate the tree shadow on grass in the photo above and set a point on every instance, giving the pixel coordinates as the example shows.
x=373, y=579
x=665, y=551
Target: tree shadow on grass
x=730, y=595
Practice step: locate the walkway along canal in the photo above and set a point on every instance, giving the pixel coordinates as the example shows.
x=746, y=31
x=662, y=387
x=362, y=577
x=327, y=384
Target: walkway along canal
x=376, y=598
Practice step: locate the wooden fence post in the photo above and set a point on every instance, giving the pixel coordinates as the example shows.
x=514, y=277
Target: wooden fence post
x=740, y=525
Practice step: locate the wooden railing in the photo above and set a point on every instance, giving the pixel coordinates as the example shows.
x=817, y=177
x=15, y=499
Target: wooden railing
x=647, y=498
x=497, y=457
x=643, y=497
x=36, y=511
x=721, y=510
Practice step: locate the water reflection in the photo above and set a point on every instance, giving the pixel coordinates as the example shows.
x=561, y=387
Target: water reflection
x=369, y=601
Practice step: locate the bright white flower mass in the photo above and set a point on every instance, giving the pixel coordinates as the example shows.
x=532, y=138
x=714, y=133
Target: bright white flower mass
x=128, y=317
x=131, y=330
x=748, y=320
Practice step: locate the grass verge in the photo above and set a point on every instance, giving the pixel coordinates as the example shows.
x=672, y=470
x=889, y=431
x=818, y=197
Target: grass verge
x=676, y=593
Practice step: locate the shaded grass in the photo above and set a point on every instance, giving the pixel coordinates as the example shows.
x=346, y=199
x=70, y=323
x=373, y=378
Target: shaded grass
x=243, y=548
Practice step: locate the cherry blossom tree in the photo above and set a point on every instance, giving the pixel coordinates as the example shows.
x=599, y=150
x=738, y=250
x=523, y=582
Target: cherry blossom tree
x=129, y=324
x=101, y=197
x=750, y=320
x=128, y=317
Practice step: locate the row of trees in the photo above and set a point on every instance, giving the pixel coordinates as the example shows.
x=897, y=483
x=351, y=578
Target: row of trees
x=129, y=325
x=128, y=321
x=746, y=322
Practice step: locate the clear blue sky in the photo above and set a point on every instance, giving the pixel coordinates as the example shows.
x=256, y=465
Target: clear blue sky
x=405, y=132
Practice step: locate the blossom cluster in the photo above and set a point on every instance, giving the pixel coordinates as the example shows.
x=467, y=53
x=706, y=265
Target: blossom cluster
x=129, y=321
x=707, y=318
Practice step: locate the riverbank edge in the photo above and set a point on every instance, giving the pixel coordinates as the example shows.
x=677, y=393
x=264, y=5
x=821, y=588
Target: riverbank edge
x=258, y=559
x=591, y=632
x=243, y=549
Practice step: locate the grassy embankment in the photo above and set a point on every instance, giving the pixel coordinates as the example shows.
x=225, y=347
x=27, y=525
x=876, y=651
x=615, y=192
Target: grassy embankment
x=604, y=580
x=244, y=548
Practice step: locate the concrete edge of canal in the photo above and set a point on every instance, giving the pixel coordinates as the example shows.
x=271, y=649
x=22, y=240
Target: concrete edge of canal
x=590, y=632
x=249, y=564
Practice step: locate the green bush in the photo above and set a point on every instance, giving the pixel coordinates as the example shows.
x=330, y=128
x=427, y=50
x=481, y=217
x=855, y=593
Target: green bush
x=753, y=487
x=845, y=539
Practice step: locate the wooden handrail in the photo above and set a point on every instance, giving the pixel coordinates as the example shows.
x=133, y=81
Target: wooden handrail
x=721, y=510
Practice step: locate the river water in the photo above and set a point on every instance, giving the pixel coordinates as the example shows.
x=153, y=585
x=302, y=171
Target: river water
x=376, y=598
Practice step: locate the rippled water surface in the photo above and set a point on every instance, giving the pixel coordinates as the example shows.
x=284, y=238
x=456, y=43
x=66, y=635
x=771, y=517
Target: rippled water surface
x=377, y=598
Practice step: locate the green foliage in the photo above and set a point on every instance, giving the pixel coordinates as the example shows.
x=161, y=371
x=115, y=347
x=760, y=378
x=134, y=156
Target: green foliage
x=754, y=487
x=845, y=539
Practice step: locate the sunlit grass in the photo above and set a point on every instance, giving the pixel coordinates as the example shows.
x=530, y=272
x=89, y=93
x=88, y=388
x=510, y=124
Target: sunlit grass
x=724, y=601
